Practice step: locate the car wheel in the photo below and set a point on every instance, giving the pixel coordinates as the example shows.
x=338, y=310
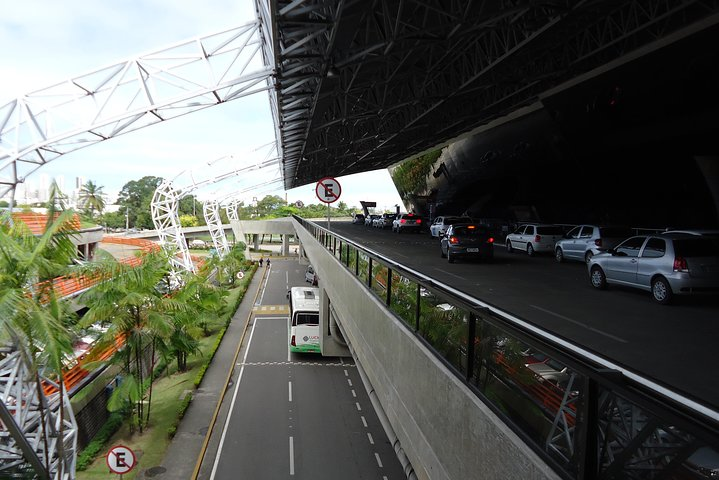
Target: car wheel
x=509, y=247
x=588, y=257
x=661, y=291
x=450, y=258
x=530, y=250
x=559, y=255
x=597, y=277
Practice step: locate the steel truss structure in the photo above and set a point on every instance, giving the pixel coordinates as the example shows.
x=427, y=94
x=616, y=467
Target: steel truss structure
x=363, y=85
x=211, y=211
x=41, y=126
x=166, y=217
x=30, y=442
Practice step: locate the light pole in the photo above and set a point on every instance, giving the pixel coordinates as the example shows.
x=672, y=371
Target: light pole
x=127, y=218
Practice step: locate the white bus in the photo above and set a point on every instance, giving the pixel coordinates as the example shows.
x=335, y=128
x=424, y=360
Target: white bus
x=304, y=319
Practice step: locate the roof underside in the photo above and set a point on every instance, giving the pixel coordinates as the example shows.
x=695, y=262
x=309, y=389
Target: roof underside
x=364, y=84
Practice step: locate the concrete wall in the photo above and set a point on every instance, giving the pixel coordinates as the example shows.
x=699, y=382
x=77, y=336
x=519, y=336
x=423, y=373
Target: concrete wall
x=445, y=430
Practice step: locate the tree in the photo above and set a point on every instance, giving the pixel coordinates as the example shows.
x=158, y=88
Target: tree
x=31, y=316
x=136, y=196
x=138, y=311
x=91, y=198
x=188, y=221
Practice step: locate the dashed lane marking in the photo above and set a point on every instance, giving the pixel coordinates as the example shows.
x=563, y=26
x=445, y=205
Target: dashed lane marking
x=273, y=364
x=271, y=309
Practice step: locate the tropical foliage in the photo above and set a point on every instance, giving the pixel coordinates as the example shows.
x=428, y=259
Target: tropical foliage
x=410, y=177
x=91, y=199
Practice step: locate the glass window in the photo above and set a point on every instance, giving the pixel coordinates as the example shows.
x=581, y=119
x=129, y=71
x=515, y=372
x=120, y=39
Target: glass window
x=631, y=246
x=549, y=231
x=655, y=248
x=307, y=318
x=587, y=232
x=574, y=233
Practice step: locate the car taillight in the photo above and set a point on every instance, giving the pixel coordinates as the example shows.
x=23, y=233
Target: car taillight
x=598, y=242
x=680, y=264
x=403, y=221
x=292, y=342
x=537, y=238
x=490, y=240
x=453, y=240
x=419, y=220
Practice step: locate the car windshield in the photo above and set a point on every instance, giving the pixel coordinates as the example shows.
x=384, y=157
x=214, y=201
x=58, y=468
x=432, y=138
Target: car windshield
x=470, y=231
x=696, y=247
x=549, y=231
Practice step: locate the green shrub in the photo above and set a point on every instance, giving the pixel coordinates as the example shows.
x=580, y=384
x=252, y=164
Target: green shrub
x=172, y=429
x=85, y=458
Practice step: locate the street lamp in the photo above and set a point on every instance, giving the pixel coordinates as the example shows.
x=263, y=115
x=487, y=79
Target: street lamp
x=127, y=218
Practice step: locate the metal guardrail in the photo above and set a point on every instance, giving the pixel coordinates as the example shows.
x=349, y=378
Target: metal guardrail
x=585, y=416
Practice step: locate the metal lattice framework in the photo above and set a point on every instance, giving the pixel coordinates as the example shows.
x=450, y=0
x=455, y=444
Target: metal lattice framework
x=363, y=85
x=166, y=217
x=41, y=126
x=30, y=438
x=211, y=211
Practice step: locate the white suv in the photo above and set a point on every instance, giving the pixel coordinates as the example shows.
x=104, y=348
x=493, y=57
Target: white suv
x=534, y=238
x=440, y=224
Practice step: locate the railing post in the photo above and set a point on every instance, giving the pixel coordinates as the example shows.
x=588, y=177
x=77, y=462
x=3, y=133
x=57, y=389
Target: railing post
x=369, y=273
x=357, y=262
x=471, y=335
x=389, y=286
x=416, y=313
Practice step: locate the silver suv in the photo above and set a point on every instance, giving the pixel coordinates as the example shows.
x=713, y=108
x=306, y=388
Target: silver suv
x=440, y=224
x=406, y=222
x=665, y=265
x=584, y=241
x=534, y=238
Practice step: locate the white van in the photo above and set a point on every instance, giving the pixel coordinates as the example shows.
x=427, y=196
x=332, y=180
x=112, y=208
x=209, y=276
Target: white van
x=304, y=319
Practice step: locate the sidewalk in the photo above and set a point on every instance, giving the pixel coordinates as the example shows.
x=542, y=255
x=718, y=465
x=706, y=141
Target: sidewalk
x=182, y=454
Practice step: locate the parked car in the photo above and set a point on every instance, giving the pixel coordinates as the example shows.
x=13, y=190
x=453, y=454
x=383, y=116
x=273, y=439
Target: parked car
x=197, y=243
x=369, y=219
x=584, y=241
x=534, y=238
x=467, y=241
x=440, y=224
x=665, y=265
x=385, y=220
x=407, y=222
x=358, y=219
x=550, y=371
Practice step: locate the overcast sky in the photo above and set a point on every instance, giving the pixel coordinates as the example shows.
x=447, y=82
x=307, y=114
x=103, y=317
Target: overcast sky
x=47, y=41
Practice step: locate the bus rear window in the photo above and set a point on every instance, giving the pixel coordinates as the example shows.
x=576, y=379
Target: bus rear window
x=302, y=318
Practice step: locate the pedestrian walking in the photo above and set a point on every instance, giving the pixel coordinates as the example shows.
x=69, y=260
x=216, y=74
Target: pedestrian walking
x=268, y=263
x=261, y=261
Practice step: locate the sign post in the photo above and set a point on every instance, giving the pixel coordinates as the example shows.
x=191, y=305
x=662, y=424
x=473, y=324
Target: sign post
x=120, y=460
x=328, y=190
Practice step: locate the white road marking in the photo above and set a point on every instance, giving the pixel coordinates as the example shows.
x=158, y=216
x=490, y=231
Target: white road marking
x=371, y=440
x=359, y=408
x=290, y=386
x=449, y=273
x=346, y=374
x=608, y=335
x=232, y=406
x=264, y=287
x=349, y=382
x=354, y=394
x=379, y=460
x=287, y=279
x=364, y=421
x=292, y=456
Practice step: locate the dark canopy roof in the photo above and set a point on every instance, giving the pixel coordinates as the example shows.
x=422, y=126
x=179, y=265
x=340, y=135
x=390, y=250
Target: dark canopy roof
x=364, y=84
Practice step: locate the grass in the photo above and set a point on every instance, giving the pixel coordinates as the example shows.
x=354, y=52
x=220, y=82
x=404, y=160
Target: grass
x=168, y=393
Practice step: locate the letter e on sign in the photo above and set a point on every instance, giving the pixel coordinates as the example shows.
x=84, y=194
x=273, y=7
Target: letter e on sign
x=120, y=459
x=328, y=190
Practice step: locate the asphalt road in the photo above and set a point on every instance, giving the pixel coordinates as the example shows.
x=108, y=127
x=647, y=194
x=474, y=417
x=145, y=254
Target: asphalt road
x=673, y=345
x=298, y=416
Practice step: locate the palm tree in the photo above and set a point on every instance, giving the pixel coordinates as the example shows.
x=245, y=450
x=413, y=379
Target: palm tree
x=138, y=311
x=31, y=317
x=91, y=197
